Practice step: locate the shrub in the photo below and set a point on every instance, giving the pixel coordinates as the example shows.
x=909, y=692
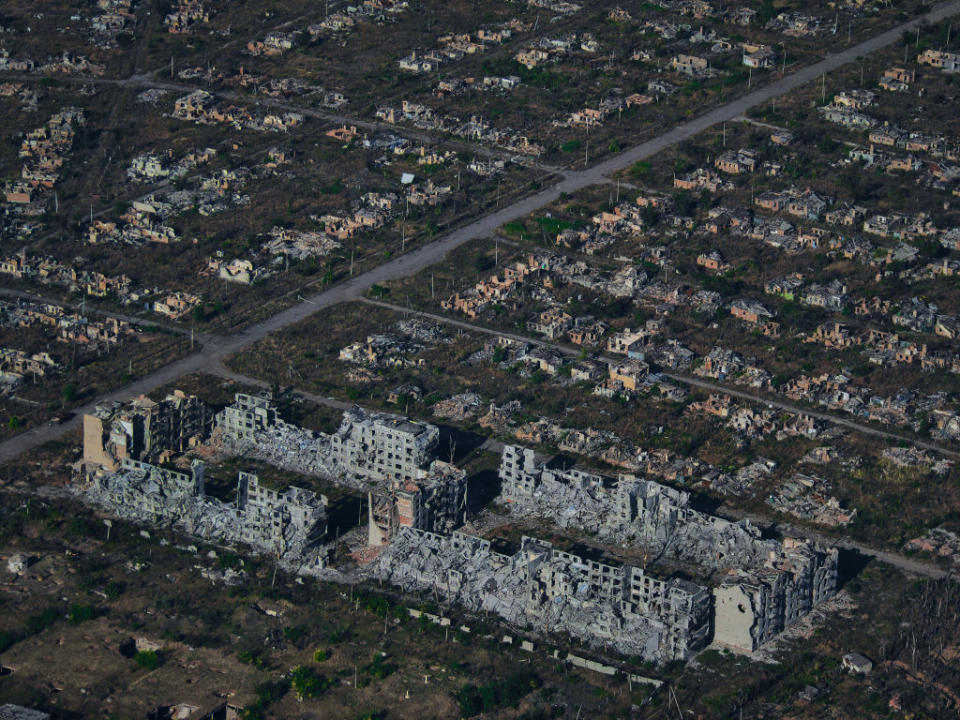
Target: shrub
x=8, y=639
x=307, y=684
x=294, y=633
x=379, y=669
x=80, y=613
x=254, y=659
x=474, y=700
x=40, y=622
x=148, y=659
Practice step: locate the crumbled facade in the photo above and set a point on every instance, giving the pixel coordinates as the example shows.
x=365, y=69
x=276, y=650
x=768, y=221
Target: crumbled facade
x=436, y=502
x=622, y=608
x=781, y=581
x=287, y=524
x=368, y=450
x=144, y=429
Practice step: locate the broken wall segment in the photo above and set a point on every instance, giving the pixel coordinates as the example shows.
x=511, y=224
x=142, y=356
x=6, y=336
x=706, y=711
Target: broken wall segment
x=623, y=608
x=628, y=510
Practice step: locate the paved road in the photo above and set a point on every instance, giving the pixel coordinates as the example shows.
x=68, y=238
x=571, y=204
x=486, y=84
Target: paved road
x=209, y=358
x=689, y=379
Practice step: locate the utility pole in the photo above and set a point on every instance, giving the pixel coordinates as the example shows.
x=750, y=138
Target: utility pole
x=823, y=87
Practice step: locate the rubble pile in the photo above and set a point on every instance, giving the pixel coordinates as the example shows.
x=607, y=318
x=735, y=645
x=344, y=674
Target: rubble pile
x=459, y=407
x=938, y=541
x=914, y=457
x=628, y=511
x=422, y=330
x=284, y=446
x=288, y=525
x=769, y=585
x=499, y=417
x=745, y=479
x=807, y=497
x=382, y=350
x=553, y=591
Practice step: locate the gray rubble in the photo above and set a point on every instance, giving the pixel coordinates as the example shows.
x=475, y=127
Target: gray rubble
x=289, y=525
x=767, y=586
x=621, y=608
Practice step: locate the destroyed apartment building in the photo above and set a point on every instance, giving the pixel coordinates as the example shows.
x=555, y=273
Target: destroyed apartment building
x=367, y=448
x=765, y=585
x=290, y=524
x=437, y=503
x=144, y=430
x=548, y=590
x=391, y=457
